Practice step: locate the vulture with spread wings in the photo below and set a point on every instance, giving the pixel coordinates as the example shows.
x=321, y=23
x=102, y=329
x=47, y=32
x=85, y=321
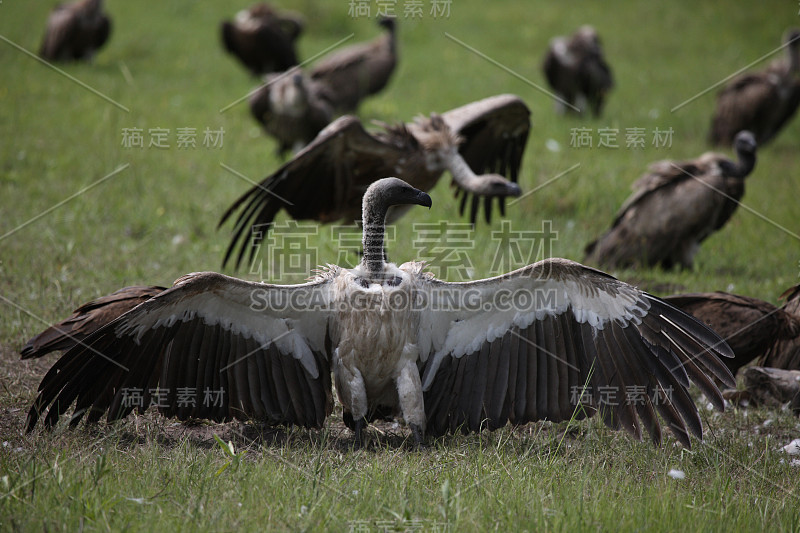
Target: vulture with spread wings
x=326, y=180
x=675, y=207
x=549, y=341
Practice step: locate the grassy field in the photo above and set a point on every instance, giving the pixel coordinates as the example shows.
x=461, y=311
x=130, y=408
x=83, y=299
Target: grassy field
x=83, y=215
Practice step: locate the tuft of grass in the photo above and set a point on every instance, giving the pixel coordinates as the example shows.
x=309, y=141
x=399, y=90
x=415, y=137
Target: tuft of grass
x=155, y=219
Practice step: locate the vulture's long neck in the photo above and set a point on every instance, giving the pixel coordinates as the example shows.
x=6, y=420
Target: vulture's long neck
x=373, y=218
x=747, y=161
x=392, y=40
x=93, y=7
x=461, y=171
x=794, y=58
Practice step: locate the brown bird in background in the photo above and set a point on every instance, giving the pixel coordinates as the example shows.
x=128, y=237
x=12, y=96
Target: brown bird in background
x=75, y=31
x=761, y=102
x=262, y=38
x=785, y=353
x=674, y=208
x=576, y=69
x=289, y=108
x=750, y=326
x=357, y=71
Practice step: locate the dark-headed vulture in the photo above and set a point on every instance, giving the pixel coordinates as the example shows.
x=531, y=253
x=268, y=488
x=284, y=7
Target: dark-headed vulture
x=674, y=208
x=554, y=340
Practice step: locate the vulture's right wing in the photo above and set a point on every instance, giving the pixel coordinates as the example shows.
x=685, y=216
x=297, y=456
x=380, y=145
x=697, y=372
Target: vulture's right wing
x=87, y=319
x=210, y=347
x=324, y=181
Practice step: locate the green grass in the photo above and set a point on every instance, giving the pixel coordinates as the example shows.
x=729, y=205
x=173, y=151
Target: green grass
x=156, y=220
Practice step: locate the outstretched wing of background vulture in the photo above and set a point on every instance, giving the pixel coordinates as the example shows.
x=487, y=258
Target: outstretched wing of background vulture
x=495, y=132
x=325, y=181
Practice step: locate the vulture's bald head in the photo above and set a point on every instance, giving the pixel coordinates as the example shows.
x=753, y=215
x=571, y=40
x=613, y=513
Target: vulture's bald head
x=387, y=192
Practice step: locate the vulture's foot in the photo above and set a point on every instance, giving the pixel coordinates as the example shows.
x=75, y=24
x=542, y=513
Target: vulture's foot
x=419, y=437
x=359, y=424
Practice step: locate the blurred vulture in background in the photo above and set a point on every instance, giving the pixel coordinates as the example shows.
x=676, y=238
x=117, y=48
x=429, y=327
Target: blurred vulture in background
x=289, y=108
x=262, y=38
x=326, y=180
x=785, y=353
x=357, y=71
x=750, y=326
x=294, y=106
x=762, y=102
x=75, y=31
x=773, y=388
x=576, y=69
x=774, y=380
x=453, y=358
x=87, y=319
x=674, y=208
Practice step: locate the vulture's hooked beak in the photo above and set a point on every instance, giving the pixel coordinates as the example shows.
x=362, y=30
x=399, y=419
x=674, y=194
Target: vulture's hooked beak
x=424, y=199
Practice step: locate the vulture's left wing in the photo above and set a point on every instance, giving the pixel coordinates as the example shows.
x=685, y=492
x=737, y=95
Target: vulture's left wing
x=210, y=347
x=557, y=339
x=494, y=131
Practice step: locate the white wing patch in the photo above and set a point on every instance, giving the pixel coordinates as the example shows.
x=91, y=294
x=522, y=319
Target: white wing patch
x=466, y=332
x=599, y=308
x=239, y=319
